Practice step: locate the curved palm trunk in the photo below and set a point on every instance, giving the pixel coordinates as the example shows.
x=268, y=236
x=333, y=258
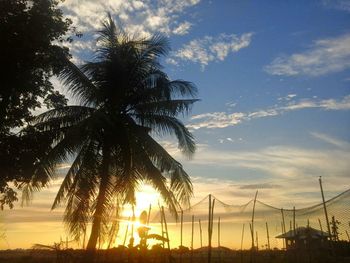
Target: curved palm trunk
x=101, y=199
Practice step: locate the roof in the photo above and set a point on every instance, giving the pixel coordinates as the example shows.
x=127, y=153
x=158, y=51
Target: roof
x=303, y=233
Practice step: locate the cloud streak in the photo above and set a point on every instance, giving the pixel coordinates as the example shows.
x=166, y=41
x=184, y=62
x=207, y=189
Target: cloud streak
x=222, y=119
x=324, y=57
x=208, y=49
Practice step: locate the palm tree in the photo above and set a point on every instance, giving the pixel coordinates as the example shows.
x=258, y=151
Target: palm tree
x=125, y=101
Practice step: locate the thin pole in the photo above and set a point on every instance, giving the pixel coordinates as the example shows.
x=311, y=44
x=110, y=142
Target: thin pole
x=268, y=236
x=257, y=241
x=126, y=232
x=294, y=220
x=283, y=242
x=242, y=237
x=325, y=210
x=192, y=232
x=209, y=227
x=200, y=232
x=283, y=222
x=133, y=222
x=319, y=222
x=252, y=225
x=161, y=223
x=182, y=222
x=149, y=213
x=166, y=228
x=219, y=245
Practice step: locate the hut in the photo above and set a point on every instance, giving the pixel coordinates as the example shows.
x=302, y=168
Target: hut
x=305, y=238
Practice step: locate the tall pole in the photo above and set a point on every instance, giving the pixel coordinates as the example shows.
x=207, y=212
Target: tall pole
x=181, y=224
x=283, y=240
x=325, y=210
x=242, y=237
x=242, y=243
x=268, y=236
x=283, y=227
x=294, y=220
x=200, y=232
x=166, y=228
x=253, y=214
x=192, y=232
x=149, y=213
x=219, y=245
x=126, y=231
x=209, y=230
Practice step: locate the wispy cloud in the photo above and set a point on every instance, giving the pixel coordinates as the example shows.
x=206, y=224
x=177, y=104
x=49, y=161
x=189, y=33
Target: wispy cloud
x=331, y=140
x=325, y=56
x=223, y=119
x=343, y=5
x=208, y=49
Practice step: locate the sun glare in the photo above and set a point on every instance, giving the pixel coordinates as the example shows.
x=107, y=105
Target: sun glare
x=144, y=198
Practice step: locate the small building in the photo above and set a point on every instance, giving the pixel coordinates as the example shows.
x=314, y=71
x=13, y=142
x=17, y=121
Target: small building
x=305, y=238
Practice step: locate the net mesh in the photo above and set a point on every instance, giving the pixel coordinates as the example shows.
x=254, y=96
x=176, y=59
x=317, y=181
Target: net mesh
x=236, y=227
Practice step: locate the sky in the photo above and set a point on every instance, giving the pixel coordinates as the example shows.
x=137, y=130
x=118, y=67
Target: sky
x=274, y=88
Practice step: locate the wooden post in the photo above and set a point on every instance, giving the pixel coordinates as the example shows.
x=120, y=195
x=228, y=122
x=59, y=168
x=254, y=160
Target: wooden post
x=268, y=236
x=283, y=222
x=219, y=245
x=161, y=224
x=294, y=220
x=319, y=222
x=210, y=225
x=242, y=244
x=126, y=232
x=252, y=225
x=149, y=213
x=283, y=242
x=166, y=228
x=192, y=232
x=181, y=226
x=325, y=210
x=200, y=232
x=133, y=221
x=242, y=237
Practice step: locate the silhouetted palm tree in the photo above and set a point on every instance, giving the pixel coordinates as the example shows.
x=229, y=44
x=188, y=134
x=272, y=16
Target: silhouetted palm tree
x=125, y=98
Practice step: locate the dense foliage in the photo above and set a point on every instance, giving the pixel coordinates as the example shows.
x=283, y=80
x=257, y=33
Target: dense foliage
x=31, y=33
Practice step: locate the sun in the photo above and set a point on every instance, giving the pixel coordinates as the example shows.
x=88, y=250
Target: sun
x=145, y=197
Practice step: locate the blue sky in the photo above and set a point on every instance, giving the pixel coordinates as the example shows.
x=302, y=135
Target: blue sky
x=274, y=84
x=273, y=79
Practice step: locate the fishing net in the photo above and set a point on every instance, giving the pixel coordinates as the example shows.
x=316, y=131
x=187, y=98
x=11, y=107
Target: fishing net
x=234, y=225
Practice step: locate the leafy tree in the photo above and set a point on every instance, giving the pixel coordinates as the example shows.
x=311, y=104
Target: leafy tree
x=125, y=99
x=31, y=33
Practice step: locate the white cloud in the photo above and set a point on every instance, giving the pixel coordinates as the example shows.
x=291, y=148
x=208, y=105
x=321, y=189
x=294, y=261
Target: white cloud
x=331, y=140
x=223, y=119
x=141, y=18
x=325, y=56
x=287, y=98
x=207, y=49
x=280, y=162
x=182, y=29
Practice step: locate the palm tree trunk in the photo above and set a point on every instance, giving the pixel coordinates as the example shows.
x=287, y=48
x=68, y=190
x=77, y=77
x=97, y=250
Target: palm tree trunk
x=101, y=199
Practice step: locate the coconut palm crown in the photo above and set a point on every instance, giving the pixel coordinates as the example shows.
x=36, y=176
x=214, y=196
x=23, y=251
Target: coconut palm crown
x=124, y=100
